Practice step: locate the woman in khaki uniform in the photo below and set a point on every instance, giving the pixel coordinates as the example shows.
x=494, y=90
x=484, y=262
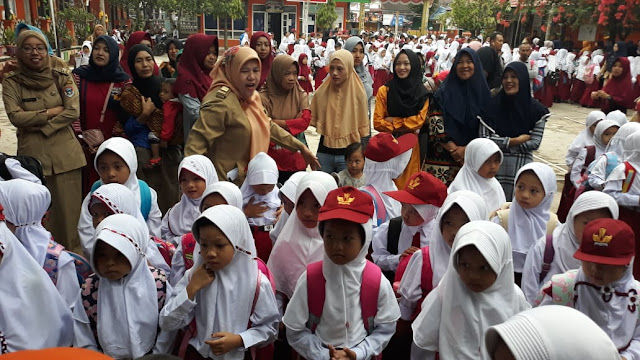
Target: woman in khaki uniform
x=42, y=102
x=233, y=126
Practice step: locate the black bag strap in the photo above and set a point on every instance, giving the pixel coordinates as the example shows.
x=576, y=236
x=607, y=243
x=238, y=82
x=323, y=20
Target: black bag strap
x=393, y=235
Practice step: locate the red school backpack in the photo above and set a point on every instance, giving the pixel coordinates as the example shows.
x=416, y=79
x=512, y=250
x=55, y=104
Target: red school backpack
x=426, y=278
x=369, y=291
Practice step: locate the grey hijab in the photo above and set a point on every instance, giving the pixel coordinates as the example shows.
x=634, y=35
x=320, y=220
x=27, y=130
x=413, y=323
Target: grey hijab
x=363, y=73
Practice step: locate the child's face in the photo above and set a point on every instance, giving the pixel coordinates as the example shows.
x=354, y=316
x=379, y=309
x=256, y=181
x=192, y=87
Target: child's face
x=451, y=222
x=342, y=240
x=304, y=61
x=307, y=209
x=474, y=270
x=529, y=190
x=86, y=50
x=263, y=189
x=216, y=250
x=99, y=212
x=191, y=184
x=581, y=220
x=608, y=134
x=166, y=92
x=592, y=128
x=600, y=274
x=355, y=164
x=212, y=200
x=288, y=204
x=112, y=168
x=490, y=167
x=111, y=263
x=410, y=215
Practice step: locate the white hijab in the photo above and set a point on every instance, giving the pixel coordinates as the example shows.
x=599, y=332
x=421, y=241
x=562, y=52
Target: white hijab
x=262, y=169
x=585, y=137
x=33, y=315
x=128, y=308
x=298, y=246
x=344, y=286
x=453, y=318
x=479, y=151
x=616, y=144
x=565, y=240
x=552, y=332
x=182, y=215
x=16, y=171
x=439, y=251
x=25, y=204
x=225, y=304
x=123, y=148
x=380, y=175
x=602, y=126
x=526, y=226
x=288, y=189
x=631, y=154
x=507, y=55
x=228, y=190
x=618, y=116
x=613, y=317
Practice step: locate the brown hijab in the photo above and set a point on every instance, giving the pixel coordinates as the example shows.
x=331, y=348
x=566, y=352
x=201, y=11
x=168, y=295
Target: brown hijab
x=283, y=104
x=33, y=79
x=223, y=74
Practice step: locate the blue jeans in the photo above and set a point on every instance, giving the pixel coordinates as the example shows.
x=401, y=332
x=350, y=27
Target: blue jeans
x=331, y=163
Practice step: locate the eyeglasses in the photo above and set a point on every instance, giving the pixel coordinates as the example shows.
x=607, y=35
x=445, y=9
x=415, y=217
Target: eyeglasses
x=38, y=49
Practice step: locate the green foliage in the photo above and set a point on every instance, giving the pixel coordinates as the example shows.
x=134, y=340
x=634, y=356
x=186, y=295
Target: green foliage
x=326, y=15
x=476, y=15
x=8, y=36
x=81, y=20
x=416, y=8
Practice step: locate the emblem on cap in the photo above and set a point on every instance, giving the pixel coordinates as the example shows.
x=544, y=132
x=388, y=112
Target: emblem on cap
x=414, y=183
x=345, y=199
x=395, y=140
x=601, y=238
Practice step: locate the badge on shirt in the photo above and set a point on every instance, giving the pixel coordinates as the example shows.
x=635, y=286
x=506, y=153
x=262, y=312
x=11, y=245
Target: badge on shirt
x=68, y=91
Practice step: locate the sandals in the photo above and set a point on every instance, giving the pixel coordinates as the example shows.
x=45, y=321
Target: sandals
x=154, y=163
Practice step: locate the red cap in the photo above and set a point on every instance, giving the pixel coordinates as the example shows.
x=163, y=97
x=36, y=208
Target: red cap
x=608, y=242
x=293, y=30
x=347, y=203
x=312, y=34
x=324, y=44
x=384, y=146
x=312, y=45
x=421, y=189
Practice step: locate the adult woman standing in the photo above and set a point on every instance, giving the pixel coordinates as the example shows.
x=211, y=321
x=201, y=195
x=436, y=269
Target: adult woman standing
x=339, y=112
x=402, y=105
x=617, y=93
x=453, y=115
x=99, y=84
x=261, y=43
x=137, y=128
x=515, y=122
x=233, y=126
x=198, y=58
x=356, y=46
x=168, y=69
x=287, y=104
x=98, y=31
x=137, y=37
x=42, y=102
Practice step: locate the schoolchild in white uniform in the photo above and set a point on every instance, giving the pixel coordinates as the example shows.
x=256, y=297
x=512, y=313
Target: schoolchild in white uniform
x=287, y=195
x=605, y=130
x=604, y=165
x=585, y=137
x=344, y=274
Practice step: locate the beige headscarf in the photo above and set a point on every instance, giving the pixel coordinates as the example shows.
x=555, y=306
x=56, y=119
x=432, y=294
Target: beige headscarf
x=223, y=74
x=32, y=79
x=283, y=104
x=340, y=113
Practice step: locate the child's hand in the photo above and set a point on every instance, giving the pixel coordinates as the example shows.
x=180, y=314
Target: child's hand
x=344, y=354
x=255, y=209
x=200, y=279
x=224, y=342
x=409, y=251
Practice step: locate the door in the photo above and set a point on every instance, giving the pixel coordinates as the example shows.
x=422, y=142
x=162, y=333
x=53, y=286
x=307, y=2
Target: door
x=274, y=26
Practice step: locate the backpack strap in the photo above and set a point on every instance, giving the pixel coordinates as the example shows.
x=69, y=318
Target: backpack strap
x=426, y=280
x=145, y=199
x=89, y=296
x=630, y=176
x=315, y=294
x=591, y=155
x=381, y=210
x=552, y=223
x=369, y=292
x=393, y=235
x=83, y=268
x=547, y=259
x=51, y=260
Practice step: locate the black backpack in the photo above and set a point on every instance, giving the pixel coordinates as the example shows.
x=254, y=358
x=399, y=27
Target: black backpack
x=29, y=163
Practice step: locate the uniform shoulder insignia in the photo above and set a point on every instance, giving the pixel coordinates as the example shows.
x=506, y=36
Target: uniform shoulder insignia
x=223, y=92
x=62, y=71
x=12, y=73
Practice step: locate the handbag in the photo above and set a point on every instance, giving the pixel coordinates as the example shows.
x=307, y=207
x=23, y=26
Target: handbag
x=94, y=137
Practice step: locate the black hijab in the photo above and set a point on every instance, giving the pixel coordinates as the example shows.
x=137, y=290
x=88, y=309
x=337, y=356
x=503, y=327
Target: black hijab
x=406, y=96
x=461, y=101
x=178, y=46
x=149, y=87
x=614, y=55
x=112, y=72
x=514, y=115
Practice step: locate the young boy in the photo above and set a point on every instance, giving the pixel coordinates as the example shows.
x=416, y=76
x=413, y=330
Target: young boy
x=342, y=282
x=400, y=237
x=172, y=114
x=353, y=175
x=603, y=288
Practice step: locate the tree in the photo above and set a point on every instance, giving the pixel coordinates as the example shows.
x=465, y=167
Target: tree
x=326, y=15
x=476, y=15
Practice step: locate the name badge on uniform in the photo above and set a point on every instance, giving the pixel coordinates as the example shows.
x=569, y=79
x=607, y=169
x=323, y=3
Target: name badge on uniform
x=29, y=100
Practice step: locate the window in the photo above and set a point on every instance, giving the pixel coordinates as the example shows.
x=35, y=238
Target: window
x=258, y=21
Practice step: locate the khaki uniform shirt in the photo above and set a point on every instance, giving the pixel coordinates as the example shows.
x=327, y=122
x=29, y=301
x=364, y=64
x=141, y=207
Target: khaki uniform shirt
x=223, y=133
x=52, y=141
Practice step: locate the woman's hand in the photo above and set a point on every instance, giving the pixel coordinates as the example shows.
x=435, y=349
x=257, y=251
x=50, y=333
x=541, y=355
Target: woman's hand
x=255, y=209
x=147, y=107
x=54, y=111
x=201, y=278
x=519, y=140
x=602, y=94
x=343, y=354
x=458, y=154
x=310, y=159
x=224, y=342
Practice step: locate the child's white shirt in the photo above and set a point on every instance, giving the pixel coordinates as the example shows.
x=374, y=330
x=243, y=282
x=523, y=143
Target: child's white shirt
x=598, y=172
x=389, y=262
x=533, y=267
x=614, y=188
x=269, y=216
x=410, y=289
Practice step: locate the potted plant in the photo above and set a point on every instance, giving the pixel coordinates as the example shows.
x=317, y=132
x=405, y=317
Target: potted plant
x=8, y=38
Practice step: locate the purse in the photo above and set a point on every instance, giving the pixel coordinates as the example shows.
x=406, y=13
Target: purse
x=94, y=137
